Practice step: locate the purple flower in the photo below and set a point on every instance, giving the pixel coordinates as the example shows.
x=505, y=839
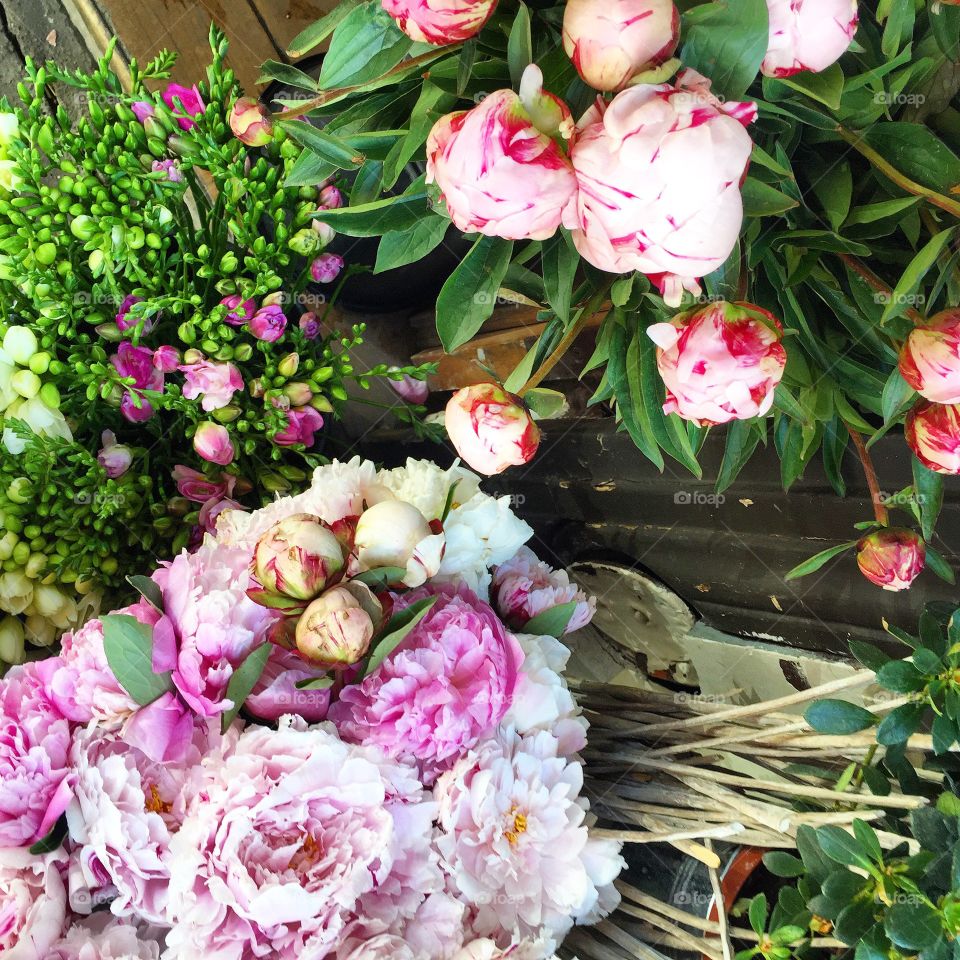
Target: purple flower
x=191, y=100
x=126, y=322
x=142, y=110
x=115, y=458
x=331, y=197
x=268, y=323
x=137, y=362
x=171, y=168
x=166, y=359
x=310, y=325
x=302, y=423
x=326, y=268
x=240, y=311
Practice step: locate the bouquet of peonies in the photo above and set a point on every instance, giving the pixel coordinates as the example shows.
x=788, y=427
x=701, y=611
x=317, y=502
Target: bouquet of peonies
x=166, y=348
x=404, y=781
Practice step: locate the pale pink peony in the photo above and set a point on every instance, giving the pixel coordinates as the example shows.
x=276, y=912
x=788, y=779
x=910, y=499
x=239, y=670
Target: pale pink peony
x=127, y=809
x=277, y=694
x=440, y=21
x=891, y=558
x=808, y=35
x=33, y=903
x=498, y=174
x=611, y=41
x=437, y=929
x=35, y=779
x=210, y=626
x=490, y=428
x=486, y=949
x=720, y=362
x=104, y=937
x=524, y=587
x=216, y=383
x=514, y=842
x=933, y=434
x=295, y=838
x=394, y=533
x=930, y=358
x=659, y=172
x=447, y=685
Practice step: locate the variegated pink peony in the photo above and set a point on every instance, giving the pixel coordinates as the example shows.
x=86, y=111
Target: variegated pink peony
x=296, y=837
x=930, y=358
x=808, y=35
x=35, y=778
x=891, y=558
x=720, y=362
x=440, y=21
x=33, y=903
x=447, y=685
x=659, y=172
x=933, y=433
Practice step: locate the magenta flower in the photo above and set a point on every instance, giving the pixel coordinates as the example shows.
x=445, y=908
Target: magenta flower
x=216, y=382
x=35, y=782
x=212, y=442
x=115, y=458
x=125, y=322
x=166, y=359
x=302, y=423
x=192, y=103
x=239, y=311
x=143, y=110
x=268, y=323
x=170, y=167
x=33, y=903
x=447, y=685
x=199, y=488
x=137, y=362
x=331, y=197
x=932, y=431
x=309, y=325
x=326, y=268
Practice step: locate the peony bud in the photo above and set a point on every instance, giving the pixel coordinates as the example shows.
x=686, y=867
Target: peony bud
x=891, y=558
x=410, y=389
x=720, y=362
x=212, y=442
x=335, y=631
x=326, y=268
x=251, y=122
x=115, y=458
x=659, y=169
x=297, y=558
x=268, y=323
x=388, y=533
x=930, y=358
x=440, y=21
x=331, y=197
x=932, y=431
x=490, y=428
x=11, y=641
x=498, y=174
x=807, y=35
x=611, y=41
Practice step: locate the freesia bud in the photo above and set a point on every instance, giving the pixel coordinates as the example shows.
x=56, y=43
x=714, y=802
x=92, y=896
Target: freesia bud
x=20, y=344
x=192, y=104
x=331, y=197
x=306, y=242
x=410, y=389
x=490, y=428
x=239, y=311
x=302, y=424
x=298, y=393
x=288, y=365
x=932, y=431
x=142, y=110
x=166, y=359
x=324, y=235
x=807, y=35
x=891, y=558
x=930, y=358
x=251, y=122
x=115, y=458
x=326, y=268
x=335, y=631
x=297, y=559
x=719, y=362
x=26, y=383
x=11, y=641
x=212, y=442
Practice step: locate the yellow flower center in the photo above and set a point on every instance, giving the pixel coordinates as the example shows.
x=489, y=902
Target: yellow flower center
x=155, y=803
x=308, y=854
x=519, y=827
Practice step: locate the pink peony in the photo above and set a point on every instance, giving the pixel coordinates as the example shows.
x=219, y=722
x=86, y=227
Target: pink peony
x=659, y=171
x=277, y=694
x=296, y=837
x=720, y=362
x=448, y=684
x=210, y=626
x=930, y=358
x=215, y=382
x=115, y=458
x=490, y=428
x=611, y=41
x=33, y=903
x=192, y=104
x=932, y=431
x=808, y=35
x=891, y=558
x=440, y=21
x=514, y=843
x=497, y=168
x=127, y=808
x=524, y=587
x=211, y=510
x=104, y=937
x=137, y=363
x=198, y=487
x=212, y=442
x=302, y=424
x=35, y=781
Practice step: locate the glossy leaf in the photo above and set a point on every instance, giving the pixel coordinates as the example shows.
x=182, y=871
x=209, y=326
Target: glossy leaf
x=128, y=646
x=242, y=682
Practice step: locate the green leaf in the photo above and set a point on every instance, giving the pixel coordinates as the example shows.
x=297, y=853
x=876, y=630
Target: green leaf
x=400, y=247
x=52, y=840
x=853, y=921
x=397, y=630
x=432, y=103
x=867, y=837
x=758, y=913
x=838, y=717
x=375, y=219
x=328, y=148
x=898, y=725
x=898, y=396
x=128, y=646
x=871, y=657
x=937, y=565
x=945, y=25
x=906, y=288
x=727, y=41
x=835, y=191
x=470, y=292
x=782, y=864
x=825, y=86
x=448, y=502
x=315, y=683
x=788, y=934
x=815, y=562
x=928, y=488
x=286, y=74
x=915, y=150
x=762, y=200
x=872, y=212
x=468, y=56
x=901, y=676
x=944, y=733
x=380, y=577
x=242, y=682
x=149, y=590
x=318, y=31
x=366, y=44
x=560, y=261
x=842, y=847
x=546, y=404
x=519, y=45
x=742, y=440
x=551, y=622
x=308, y=170
x=912, y=925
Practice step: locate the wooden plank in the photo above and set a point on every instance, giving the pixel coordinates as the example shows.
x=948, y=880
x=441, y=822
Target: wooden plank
x=284, y=19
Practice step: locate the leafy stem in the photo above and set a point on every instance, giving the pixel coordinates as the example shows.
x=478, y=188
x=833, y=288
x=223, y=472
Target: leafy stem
x=879, y=508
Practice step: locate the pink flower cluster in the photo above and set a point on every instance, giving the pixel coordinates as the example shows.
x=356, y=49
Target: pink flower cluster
x=382, y=818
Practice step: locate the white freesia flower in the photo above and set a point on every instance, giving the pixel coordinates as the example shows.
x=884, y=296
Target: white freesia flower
x=16, y=591
x=7, y=369
x=42, y=420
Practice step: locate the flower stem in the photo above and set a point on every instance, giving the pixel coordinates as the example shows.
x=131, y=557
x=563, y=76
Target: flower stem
x=860, y=268
x=879, y=509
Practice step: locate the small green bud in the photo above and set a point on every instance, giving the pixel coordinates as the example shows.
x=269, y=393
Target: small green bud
x=46, y=253
x=50, y=396
x=289, y=364
x=243, y=352
x=187, y=332
x=227, y=414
